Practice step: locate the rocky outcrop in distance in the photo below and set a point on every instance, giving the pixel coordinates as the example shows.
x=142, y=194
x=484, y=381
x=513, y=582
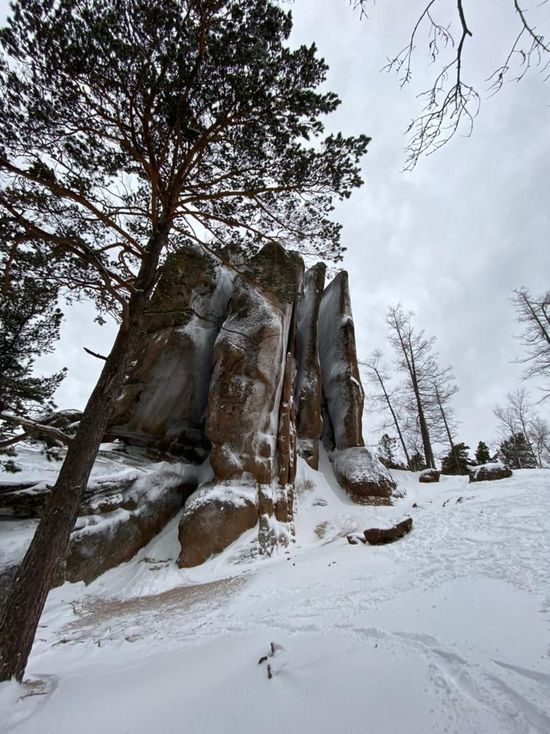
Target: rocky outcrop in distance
x=489, y=472
x=249, y=361
x=429, y=476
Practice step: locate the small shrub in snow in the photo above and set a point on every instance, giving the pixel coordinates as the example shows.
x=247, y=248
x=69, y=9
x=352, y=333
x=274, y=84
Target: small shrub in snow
x=303, y=486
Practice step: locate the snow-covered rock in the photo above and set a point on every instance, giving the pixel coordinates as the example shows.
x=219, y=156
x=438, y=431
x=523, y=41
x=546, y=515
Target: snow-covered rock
x=108, y=537
x=249, y=366
x=165, y=397
x=286, y=432
x=241, y=359
x=382, y=536
x=360, y=473
x=488, y=472
x=214, y=518
x=126, y=504
x=428, y=476
x=309, y=391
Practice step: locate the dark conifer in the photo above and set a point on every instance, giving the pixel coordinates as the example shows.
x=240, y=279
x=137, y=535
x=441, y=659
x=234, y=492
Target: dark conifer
x=483, y=455
x=457, y=460
x=517, y=453
x=29, y=326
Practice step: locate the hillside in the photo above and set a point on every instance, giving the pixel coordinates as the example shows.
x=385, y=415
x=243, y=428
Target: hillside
x=446, y=630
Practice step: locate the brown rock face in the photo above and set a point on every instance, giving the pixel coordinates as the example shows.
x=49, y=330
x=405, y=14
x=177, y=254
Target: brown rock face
x=118, y=535
x=117, y=518
x=363, y=477
x=342, y=388
x=213, y=519
x=309, y=423
x=164, y=401
x=488, y=472
x=380, y=536
x=429, y=475
x=249, y=367
x=252, y=364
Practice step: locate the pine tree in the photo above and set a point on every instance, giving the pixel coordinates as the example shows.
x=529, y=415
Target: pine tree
x=129, y=128
x=29, y=326
x=517, y=453
x=457, y=460
x=482, y=454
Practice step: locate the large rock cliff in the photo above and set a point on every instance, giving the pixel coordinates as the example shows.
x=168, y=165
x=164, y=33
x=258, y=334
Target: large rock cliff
x=243, y=362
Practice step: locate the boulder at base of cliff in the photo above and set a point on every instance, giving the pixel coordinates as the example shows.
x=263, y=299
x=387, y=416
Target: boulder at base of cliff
x=487, y=472
x=363, y=477
x=429, y=475
x=115, y=527
x=214, y=517
x=381, y=536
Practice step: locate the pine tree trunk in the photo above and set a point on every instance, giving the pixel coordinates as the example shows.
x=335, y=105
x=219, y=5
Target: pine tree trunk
x=39, y=569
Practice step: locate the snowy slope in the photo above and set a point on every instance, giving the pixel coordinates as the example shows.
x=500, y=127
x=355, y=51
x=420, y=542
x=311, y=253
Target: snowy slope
x=447, y=630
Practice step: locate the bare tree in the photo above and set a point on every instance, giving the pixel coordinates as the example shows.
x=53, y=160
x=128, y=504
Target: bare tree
x=378, y=375
x=428, y=389
x=533, y=312
x=515, y=418
x=443, y=390
x=415, y=359
x=451, y=103
x=539, y=430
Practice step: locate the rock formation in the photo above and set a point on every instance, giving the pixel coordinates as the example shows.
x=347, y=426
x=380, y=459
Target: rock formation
x=381, y=536
x=342, y=389
x=249, y=361
x=309, y=389
x=165, y=398
x=213, y=519
x=117, y=517
x=241, y=361
x=489, y=472
x=428, y=476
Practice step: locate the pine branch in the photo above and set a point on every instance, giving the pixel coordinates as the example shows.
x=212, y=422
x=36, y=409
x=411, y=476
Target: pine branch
x=14, y=440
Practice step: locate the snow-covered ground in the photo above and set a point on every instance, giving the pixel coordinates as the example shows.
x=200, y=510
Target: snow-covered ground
x=446, y=630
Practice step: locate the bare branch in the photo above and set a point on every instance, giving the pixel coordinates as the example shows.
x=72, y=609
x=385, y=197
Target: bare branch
x=94, y=354
x=36, y=429
x=451, y=103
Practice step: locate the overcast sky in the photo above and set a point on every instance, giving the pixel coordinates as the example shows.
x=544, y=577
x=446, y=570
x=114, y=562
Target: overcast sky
x=450, y=240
